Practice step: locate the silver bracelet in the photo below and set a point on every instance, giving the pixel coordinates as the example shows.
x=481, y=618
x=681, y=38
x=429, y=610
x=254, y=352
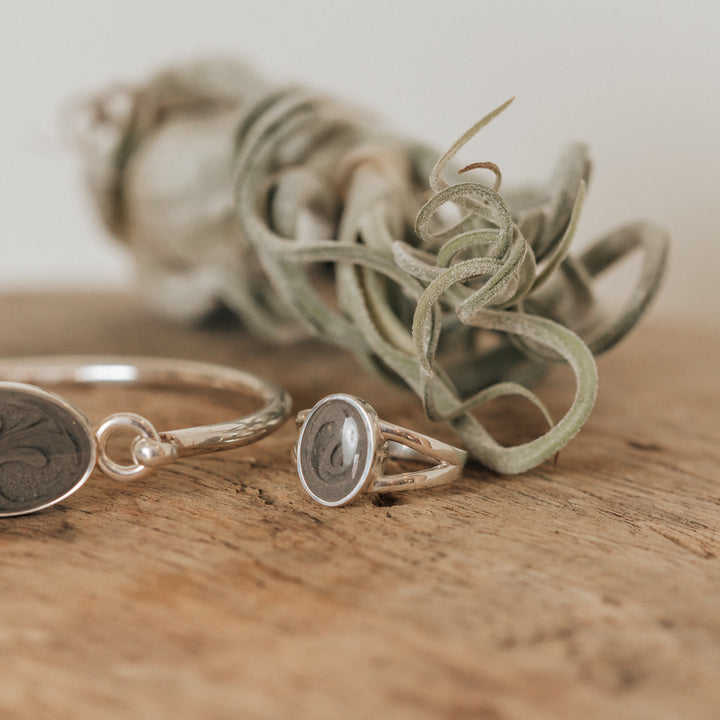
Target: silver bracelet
x=48, y=448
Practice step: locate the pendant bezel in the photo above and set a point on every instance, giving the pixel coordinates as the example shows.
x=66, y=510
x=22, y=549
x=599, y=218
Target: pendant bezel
x=371, y=426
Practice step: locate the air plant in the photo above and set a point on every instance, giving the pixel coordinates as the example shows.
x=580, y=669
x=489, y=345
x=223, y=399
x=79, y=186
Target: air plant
x=305, y=217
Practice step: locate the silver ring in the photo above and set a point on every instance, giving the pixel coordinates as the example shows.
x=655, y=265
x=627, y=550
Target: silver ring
x=343, y=445
x=48, y=448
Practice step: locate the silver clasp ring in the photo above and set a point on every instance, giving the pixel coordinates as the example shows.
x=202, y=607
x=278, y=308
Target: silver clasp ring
x=143, y=429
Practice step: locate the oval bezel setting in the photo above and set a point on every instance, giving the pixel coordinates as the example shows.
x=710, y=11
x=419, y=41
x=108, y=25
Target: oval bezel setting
x=67, y=419
x=369, y=423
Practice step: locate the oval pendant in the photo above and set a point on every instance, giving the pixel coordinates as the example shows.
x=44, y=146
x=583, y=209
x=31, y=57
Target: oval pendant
x=47, y=449
x=336, y=449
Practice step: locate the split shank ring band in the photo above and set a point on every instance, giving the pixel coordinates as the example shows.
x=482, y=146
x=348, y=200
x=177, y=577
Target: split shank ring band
x=343, y=446
x=48, y=448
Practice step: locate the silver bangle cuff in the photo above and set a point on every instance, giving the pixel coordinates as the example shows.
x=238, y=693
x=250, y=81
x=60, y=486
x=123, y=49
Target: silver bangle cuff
x=48, y=448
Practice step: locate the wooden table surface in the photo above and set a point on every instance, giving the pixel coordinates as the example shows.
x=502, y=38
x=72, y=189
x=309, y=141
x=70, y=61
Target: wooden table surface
x=216, y=589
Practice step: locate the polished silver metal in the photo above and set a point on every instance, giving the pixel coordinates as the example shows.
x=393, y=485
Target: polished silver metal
x=151, y=448
x=378, y=440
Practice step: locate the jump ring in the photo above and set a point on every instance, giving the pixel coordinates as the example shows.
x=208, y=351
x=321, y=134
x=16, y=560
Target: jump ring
x=143, y=428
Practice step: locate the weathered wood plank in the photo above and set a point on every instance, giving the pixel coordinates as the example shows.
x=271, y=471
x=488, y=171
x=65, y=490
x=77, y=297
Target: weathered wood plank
x=216, y=589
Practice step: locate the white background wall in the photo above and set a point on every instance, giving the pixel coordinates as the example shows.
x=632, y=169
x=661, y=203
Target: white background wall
x=639, y=80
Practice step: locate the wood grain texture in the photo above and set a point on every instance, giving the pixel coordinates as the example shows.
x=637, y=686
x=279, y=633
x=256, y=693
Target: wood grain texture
x=217, y=589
